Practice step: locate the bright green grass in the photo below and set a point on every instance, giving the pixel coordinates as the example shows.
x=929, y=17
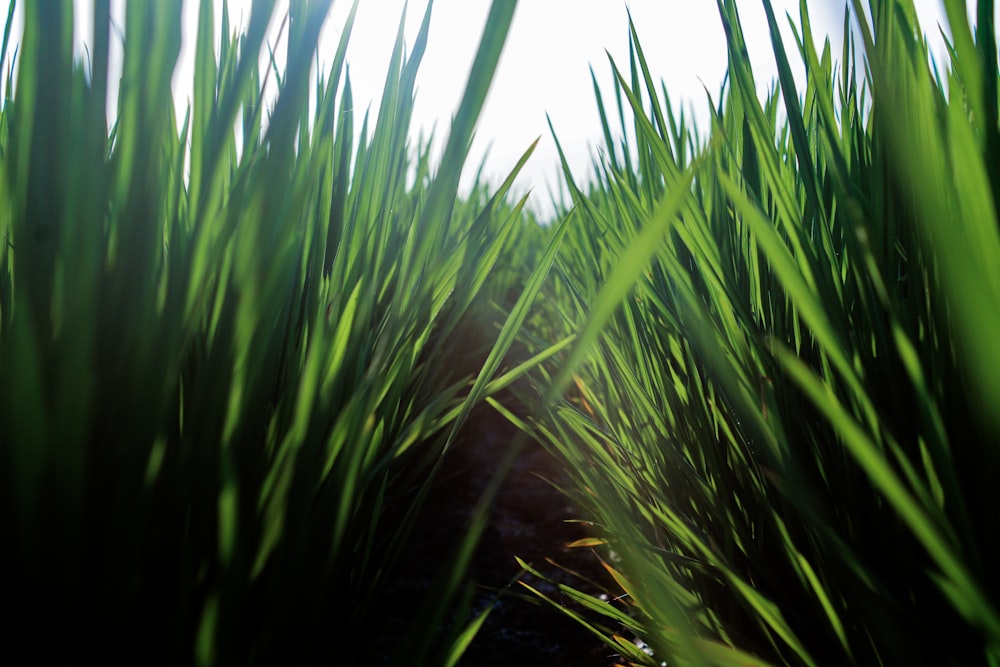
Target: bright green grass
x=229, y=372
x=782, y=396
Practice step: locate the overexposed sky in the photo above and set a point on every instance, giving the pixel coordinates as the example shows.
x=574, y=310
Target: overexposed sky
x=545, y=64
x=545, y=67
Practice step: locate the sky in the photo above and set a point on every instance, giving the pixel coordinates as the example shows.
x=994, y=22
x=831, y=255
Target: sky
x=545, y=66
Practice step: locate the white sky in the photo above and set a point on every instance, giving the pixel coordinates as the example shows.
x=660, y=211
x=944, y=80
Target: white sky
x=544, y=67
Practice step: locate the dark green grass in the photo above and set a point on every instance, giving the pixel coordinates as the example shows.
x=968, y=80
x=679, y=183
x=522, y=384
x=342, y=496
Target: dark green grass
x=782, y=409
x=228, y=373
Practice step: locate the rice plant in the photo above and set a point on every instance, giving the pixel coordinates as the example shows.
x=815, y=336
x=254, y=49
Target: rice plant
x=229, y=365
x=780, y=402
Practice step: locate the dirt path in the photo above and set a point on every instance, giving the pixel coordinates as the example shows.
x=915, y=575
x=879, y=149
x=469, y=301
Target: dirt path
x=528, y=520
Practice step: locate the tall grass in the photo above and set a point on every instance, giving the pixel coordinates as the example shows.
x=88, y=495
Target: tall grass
x=229, y=365
x=232, y=362
x=780, y=405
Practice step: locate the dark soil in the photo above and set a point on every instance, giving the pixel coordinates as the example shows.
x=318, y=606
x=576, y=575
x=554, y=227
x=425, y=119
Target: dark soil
x=530, y=519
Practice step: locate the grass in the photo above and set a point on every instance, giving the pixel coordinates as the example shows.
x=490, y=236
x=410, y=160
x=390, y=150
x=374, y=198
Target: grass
x=224, y=393
x=779, y=409
x=231, y=363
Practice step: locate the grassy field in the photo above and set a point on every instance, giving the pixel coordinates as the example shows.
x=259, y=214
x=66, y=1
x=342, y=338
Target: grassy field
x=230, y=369
x=780, y=404
x=232, y=363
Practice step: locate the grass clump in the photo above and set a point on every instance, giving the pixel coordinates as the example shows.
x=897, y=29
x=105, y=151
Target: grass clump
x=780, y=409
x=228, y=360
